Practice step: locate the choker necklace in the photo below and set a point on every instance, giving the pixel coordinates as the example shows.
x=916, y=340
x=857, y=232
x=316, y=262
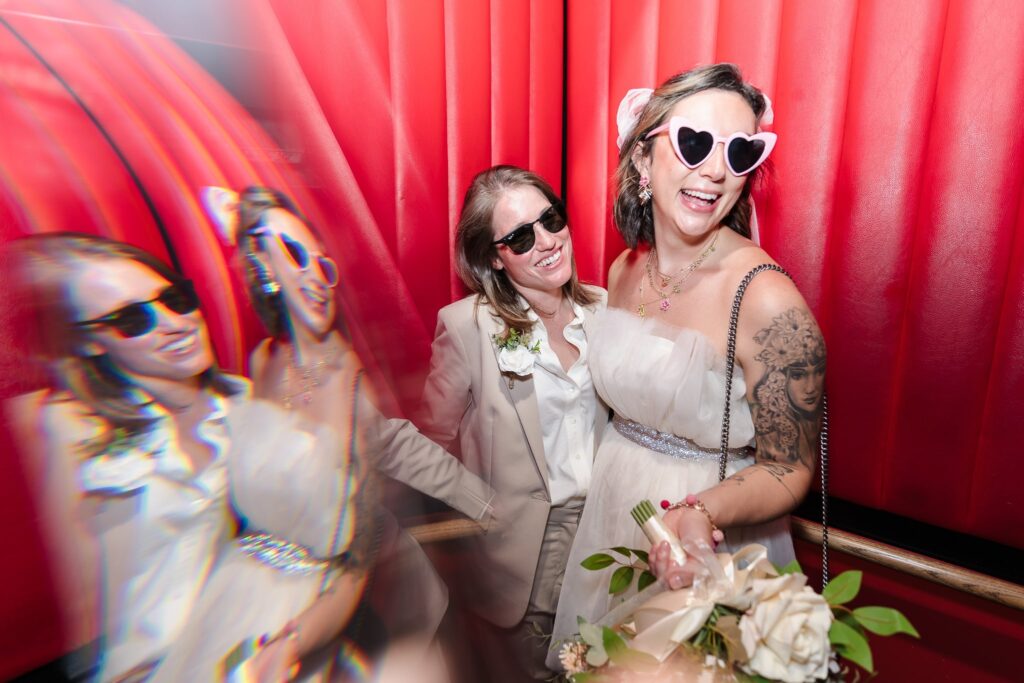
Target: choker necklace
x=673, y=284
x=308, y=378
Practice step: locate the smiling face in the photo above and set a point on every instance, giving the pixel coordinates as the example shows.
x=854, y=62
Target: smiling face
x=546, y=267
x=693, y=201
x=177, y=349
x=306, y=293
x=804, y=386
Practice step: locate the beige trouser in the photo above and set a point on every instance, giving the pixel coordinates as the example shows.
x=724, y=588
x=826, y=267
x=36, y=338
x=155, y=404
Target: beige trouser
x=533, y=634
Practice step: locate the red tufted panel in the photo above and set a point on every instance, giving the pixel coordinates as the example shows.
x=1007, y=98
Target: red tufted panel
x=895, y=201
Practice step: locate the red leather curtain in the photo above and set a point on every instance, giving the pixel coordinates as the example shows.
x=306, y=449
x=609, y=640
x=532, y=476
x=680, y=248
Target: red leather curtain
x=895, y=202
x=419, y=97
x=384, y=113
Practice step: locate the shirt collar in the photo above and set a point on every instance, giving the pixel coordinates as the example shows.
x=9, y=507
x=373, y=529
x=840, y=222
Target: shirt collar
x=532, y=316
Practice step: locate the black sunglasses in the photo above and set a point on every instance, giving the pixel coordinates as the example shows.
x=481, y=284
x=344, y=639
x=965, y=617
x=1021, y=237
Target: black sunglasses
x=138, y=318
x=523, y=237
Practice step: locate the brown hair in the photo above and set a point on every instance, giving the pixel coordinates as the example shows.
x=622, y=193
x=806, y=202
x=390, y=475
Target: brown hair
x=634, y=219
x=41, y=268
x=475, y=249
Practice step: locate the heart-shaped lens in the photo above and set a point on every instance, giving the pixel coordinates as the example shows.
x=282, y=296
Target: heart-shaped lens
x=744, y=154
x=297, y=252
x=694, y=146
x=329, y=269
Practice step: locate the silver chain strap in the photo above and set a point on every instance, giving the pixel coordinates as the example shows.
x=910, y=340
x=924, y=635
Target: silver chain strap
x=734, y=319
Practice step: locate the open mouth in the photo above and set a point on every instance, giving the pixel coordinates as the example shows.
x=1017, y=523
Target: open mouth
x=183, y=345
x=315, y=298
x=552, y=260
x=701, y=198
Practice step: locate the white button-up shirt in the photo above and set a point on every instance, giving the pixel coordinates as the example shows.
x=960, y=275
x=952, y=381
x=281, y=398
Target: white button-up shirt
x=160, y=525
x=567, y=404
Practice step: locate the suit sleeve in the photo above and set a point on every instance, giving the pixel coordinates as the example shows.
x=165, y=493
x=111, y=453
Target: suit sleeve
x=403, y=453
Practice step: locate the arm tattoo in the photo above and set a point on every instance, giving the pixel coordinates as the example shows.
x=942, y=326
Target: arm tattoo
x=787, y=401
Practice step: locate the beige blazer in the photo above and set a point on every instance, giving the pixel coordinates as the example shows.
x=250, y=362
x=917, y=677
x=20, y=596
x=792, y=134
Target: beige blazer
x=497, y=427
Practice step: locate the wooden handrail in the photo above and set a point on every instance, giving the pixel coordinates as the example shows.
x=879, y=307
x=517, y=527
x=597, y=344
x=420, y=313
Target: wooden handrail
x=904, y=561
x=914, y=564
x=444, y=530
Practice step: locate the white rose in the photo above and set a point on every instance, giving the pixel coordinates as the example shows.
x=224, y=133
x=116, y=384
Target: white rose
x=518, y=361
x=786, y=636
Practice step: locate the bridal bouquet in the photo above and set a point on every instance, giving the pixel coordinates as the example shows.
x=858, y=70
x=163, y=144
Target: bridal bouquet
x=743, y=620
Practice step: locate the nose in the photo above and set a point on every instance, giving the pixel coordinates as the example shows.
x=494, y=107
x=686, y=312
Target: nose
x=714, y=167
x=544, y=239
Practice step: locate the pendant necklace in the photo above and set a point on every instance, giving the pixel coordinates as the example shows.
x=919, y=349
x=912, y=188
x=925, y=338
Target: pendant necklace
x=672, y=284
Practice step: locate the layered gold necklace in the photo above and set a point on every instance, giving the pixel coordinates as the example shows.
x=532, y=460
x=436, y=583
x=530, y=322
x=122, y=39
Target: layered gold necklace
x=667, y=286
x=307, y=378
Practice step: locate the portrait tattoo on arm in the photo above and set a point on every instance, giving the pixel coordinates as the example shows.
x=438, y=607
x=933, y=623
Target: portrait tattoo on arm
x=787, y=403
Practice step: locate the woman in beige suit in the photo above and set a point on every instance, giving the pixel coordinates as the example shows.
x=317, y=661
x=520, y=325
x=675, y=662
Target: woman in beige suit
x=509, y=383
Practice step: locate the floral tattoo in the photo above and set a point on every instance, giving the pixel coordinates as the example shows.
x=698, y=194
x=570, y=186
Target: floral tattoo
x=788, y=400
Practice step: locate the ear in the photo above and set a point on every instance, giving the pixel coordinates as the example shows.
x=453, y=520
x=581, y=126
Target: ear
x=496, y=263
x=641, y=161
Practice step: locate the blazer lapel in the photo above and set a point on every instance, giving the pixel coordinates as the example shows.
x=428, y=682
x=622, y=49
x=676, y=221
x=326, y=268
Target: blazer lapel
x=521, y=393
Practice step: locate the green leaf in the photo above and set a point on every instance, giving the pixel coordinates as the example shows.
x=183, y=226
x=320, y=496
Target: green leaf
x=612, y=641
x=846, y=616
x=791, y=568
x=634, y=660
x=851, y=645
x=596, y=656
x=621, y=579
x=642, y=554
x=884, y=621
x=598, y=561
x=842, y=588
x=622, y=551
x=646, y=579
x=591, y=635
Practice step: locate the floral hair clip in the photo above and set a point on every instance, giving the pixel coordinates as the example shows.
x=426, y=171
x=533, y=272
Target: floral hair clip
x=629, y=111
x=222, y=206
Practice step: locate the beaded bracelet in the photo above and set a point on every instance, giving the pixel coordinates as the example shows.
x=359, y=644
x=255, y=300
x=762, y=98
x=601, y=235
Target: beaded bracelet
x=692, y=502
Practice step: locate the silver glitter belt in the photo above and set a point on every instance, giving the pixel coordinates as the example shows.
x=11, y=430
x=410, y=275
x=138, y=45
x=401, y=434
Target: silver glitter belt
x=670, y=444
x=278, y=553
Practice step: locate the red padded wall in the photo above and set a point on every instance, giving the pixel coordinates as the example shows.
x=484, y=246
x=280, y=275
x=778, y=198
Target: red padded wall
x=895, y=198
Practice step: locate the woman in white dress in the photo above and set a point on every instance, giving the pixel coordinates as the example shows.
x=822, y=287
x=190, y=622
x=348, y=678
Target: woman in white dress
x=689, y=152
x=133, y=435
x=308, y=370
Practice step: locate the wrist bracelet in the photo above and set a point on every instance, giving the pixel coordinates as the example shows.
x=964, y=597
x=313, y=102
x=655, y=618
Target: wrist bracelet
x=692, y=502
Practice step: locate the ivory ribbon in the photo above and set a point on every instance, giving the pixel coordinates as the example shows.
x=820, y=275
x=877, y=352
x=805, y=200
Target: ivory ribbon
x=670, y=618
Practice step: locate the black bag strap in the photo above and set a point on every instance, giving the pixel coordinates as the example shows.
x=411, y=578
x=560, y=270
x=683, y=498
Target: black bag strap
x=730, y=363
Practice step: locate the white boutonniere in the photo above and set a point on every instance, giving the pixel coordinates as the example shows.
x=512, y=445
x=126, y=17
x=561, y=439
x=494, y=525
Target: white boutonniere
x=516, y=352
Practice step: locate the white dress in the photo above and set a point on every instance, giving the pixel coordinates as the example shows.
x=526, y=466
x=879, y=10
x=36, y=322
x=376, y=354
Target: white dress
x=670, y=379
x=297, y=485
